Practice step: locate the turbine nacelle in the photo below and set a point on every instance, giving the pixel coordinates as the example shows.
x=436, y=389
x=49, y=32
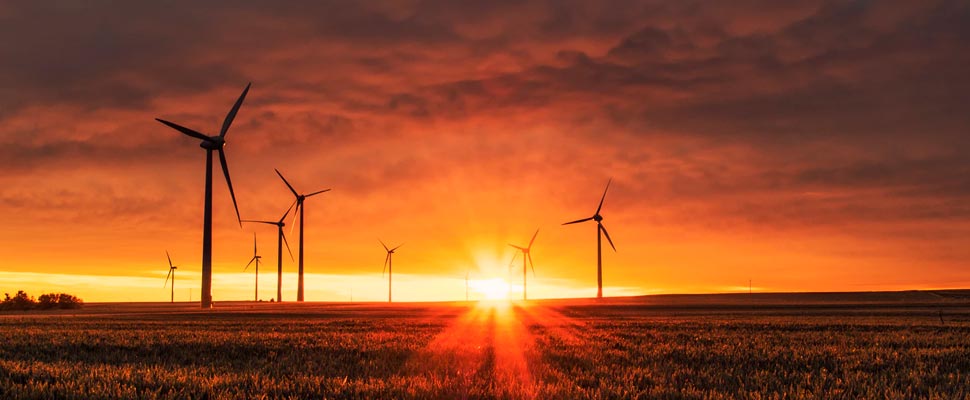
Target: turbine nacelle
x=597, y=218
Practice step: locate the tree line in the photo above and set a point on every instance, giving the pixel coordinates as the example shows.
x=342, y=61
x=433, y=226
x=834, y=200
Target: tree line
x=23, y=301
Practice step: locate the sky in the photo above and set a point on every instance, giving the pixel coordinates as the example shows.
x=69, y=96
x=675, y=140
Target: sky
x=804, y=146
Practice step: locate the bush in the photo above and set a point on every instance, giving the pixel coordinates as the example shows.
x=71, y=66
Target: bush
x=58, y=300
x=21, y=301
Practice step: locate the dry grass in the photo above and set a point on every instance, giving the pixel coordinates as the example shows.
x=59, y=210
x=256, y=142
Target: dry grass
x=629, y=348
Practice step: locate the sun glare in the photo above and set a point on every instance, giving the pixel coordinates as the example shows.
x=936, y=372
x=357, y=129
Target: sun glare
x=491, y=289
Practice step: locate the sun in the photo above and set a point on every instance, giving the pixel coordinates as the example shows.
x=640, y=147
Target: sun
x=491, y=289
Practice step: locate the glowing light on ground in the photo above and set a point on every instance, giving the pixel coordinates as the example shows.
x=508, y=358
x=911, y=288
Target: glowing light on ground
x=488, y=340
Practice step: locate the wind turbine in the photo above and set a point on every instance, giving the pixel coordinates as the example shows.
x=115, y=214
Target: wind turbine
x=466, y=286
x=600, y=231
x=526, y=256
x=256, y=258
x=388, y=266
x=171, y=273
x=210, y=144
x=299, y=207
x=280, y=240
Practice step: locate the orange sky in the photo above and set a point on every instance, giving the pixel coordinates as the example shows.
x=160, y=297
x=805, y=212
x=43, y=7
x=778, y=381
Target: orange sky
x=810, y=148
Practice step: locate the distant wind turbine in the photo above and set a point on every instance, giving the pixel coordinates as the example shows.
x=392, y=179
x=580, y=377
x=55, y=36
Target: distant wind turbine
x=299, y=208
x=600, y=231
x=256, y=258
x=466, y=286
x=171, y=273
x=388, y=266
x=526, y=256
x=210, y=144
x=280, y=240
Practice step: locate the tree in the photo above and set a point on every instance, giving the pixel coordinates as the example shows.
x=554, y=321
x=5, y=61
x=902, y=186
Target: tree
x=58, y=300
x=20, y=301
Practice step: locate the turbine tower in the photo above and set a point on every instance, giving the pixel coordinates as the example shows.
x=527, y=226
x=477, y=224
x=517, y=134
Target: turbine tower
x=299, y=207
x=466, y=286
x=171, y=273
x=256, y=258
x=600, y=232
x=526, y=256
x=388, y=266
x=210, y=144
x=280, y=240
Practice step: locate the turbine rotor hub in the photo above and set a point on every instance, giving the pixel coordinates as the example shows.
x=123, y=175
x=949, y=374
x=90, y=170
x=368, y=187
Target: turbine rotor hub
x=214, y=143
x=597, y=218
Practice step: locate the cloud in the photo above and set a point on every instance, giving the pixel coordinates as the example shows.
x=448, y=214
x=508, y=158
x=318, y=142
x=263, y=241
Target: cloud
x=715, y=119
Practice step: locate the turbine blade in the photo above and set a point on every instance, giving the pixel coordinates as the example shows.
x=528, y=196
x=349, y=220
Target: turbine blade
x=603, y=228
x=287, y=183
x=166, y=277
x=533, y=265
x=398, y=246
x=520, y=248
x=287, y=246
x=258, y=222
x=533, y=239
x=385, y=246
x=288, y=209
x=232, y=113
x=225, y=171
x=604, y=195
x=386, y=259
x=254, y=244
x=317, y=192
x=169, y=259
x=250, y=263
x=578, y=221
x=296, y=211
x=513, y=260
x=187, y=131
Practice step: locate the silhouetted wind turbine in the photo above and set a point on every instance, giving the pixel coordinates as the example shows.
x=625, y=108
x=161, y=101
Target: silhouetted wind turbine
x=210, y=143
x=466, y=286
x=388, y=266
x=299, y=207
x=600, y=231
x=256, y=258
x=171, y=273
x=280, y=240
x=526, y=256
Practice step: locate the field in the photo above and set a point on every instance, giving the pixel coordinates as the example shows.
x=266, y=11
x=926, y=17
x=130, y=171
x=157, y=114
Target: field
x=864, y=345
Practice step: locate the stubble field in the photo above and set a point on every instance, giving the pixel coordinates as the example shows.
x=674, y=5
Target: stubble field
x=759, y=346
